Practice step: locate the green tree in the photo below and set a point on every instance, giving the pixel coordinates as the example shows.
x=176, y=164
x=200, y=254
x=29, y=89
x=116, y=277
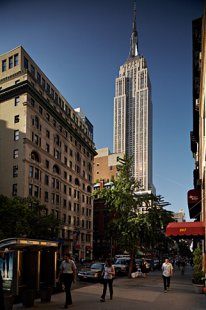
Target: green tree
x=130, y=228
x=157, y=219
x=198, y=274
x=26, y=217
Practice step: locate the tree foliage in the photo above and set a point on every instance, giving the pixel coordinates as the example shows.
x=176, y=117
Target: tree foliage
x=25, y=217
x=130, y=227
x=198, y=274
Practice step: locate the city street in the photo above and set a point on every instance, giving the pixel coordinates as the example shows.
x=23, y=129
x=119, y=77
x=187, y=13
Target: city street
x=140, y=293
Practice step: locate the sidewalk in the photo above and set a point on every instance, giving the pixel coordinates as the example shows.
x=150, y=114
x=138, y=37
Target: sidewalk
x=139, y=293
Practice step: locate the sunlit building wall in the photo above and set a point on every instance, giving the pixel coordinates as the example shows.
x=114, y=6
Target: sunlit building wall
x=133, y=114
x=46, y=148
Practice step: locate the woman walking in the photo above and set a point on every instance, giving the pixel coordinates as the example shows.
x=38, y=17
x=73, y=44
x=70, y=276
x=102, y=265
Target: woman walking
x=108, y=274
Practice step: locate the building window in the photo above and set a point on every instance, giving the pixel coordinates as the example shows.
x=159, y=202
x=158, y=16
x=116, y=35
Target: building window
x=65, y=189
x=32, y=70
x=37, y=174
x=40, y=110
x=16, y=135
x=57, y=199
x=36, y=191
x=47, y=147
x=14, y=189
x=3, y=65
x=16, y=60
x=57, y=184
x=16, y=101
x=47, y=116
x=31, y=171
x=35, y=138
x=47, y=164
x=30, y=189
x=46, y=179
x=38, y=77
x=16, y=153
x=15, y=171
x=35, y=156
x=16, y=118
x=46, y=196
x=56, y=98
x=10, y=62
x=32, y=102
x=57, y=154
x=43, y=83
x=48, y=88
x=26, y=63
x=47, y=133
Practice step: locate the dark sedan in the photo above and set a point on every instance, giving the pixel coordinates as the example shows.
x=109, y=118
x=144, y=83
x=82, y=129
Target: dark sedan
x=92, y=273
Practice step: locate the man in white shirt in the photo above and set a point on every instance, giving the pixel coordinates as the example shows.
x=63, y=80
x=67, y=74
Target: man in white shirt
x=68, y=270
x=167, y=272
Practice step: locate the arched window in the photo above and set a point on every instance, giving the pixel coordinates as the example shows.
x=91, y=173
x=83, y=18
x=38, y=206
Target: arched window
x=35, y=156
x=77, y=182
x=56, y=169
x=89, y=189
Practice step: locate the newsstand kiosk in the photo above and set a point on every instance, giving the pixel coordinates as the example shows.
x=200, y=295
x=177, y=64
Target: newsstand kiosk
x=28, y=265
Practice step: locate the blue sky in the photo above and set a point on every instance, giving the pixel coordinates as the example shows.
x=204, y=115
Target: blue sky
x=80, y=46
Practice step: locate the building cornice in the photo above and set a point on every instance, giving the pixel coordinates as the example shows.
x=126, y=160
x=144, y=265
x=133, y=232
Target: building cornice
x=27, y=87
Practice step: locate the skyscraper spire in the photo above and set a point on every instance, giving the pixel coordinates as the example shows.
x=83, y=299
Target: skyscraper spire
x=134, y=37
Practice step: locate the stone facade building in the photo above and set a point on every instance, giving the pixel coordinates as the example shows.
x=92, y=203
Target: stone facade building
x=46, y=148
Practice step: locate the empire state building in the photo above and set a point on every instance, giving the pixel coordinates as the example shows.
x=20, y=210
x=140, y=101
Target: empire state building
x=133, y=113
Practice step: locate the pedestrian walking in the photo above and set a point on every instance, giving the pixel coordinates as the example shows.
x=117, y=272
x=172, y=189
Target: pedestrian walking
x=108, y=275
x=68, y=271
x=182, y=264
x=167, y=272
x=144, y=268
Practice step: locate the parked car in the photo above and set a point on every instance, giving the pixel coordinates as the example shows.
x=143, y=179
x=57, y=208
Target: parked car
x=92, y=273
x=121, y=266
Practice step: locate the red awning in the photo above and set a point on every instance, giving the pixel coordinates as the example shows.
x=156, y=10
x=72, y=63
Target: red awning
x=188, y=229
